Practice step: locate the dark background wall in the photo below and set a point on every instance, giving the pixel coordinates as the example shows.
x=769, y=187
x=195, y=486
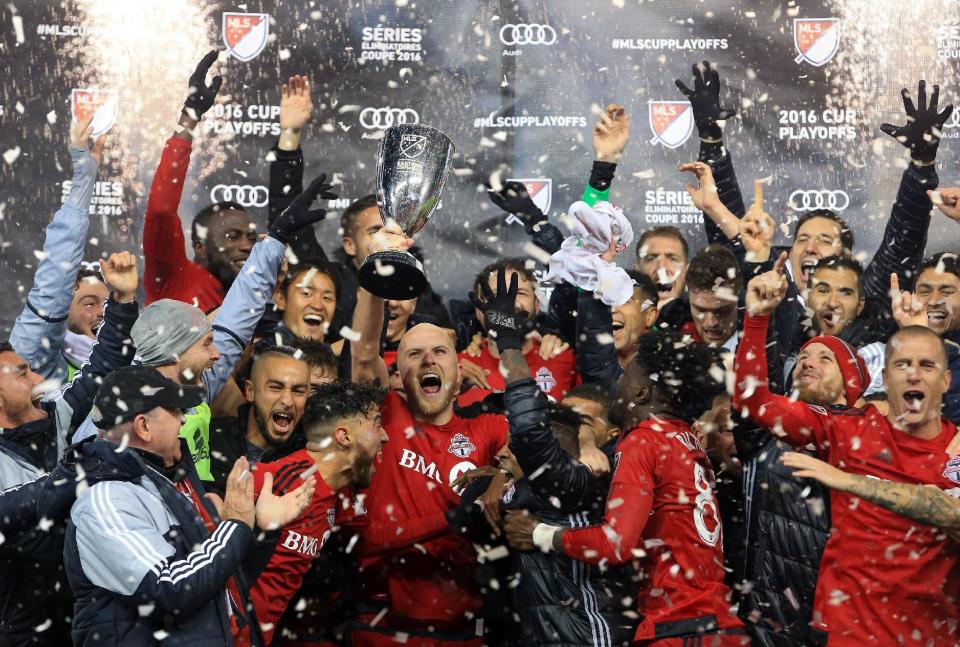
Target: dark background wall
x=453, y=65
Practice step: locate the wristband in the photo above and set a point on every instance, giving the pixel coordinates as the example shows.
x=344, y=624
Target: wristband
x=180, y=129
x=922, y=163
x=543, y=537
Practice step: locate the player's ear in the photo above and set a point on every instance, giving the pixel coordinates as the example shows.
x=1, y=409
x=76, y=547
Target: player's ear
x=248, y=390
x=644, y=394
x=349, y=245
x=343, y=436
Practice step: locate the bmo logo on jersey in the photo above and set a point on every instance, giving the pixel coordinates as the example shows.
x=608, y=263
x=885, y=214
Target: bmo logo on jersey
x=304, y=544
x=411, y=460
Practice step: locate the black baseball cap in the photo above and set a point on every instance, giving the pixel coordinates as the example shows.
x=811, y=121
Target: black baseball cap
x=132, y=390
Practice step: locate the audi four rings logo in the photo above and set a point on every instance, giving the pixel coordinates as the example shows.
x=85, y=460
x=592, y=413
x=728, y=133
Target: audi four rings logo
x=801, y=200
x=523, y=34
x=954, y=120
x=380, y=118
x=244, y=195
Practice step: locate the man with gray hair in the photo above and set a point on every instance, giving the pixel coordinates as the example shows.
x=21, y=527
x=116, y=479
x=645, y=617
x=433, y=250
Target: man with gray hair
x=147, y=553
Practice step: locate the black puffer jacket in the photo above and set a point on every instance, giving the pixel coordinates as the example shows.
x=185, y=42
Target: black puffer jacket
x=786, y=533
x=562, y=601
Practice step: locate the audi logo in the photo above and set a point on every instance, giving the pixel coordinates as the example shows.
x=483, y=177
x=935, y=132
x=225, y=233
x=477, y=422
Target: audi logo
x=244, y=195
x=801, y=200
x=380, y=118
x=954, y=120
x=524, y=34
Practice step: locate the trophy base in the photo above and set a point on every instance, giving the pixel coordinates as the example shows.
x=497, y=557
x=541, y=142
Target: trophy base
x=400, y=277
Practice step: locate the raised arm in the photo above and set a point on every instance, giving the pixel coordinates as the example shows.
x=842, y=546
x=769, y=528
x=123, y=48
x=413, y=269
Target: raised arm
x=246, y=300
x=112, y=350
x=164, y=250
x=366, y=363
x=708, y=114
x=922, y=503
x=797, y=422
x=905, y=235
x=38, y=332
x=286, y=162
x=552, y=472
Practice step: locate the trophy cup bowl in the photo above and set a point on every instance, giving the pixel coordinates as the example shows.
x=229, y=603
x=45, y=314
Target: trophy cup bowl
x=412, y=167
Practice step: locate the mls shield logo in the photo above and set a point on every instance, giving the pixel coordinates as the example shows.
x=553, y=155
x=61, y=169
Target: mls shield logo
x=545, y=379
x=412, y=146
x=671, y=122
x=540, y=190
x=461, y=446
x=102, y=104
x=245, y=34
x=817, y=39
x=952, y=470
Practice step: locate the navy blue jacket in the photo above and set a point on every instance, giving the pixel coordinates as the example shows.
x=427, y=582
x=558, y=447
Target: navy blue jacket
x=32, y=585
x=141, y=560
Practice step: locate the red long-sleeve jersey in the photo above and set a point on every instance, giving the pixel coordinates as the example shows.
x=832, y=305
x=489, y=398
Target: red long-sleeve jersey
x=883, y=578
x=414, y=567
x=299, y=541
x=662, y=510
x=554, y=376
x=168, y=273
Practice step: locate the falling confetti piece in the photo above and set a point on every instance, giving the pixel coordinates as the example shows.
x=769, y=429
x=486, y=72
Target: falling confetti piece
x=11, y=155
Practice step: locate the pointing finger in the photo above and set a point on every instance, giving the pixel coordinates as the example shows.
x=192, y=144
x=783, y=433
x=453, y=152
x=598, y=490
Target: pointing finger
x=758, y=193
x=780, y=263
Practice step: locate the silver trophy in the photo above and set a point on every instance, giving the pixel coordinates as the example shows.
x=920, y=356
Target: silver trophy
x=411, y=170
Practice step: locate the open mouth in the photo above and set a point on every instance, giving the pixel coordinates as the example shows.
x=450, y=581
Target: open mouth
x=237, y=263
x=313, y=320
x=831, y=318
x=714, y=335
x=95, y=328
x=617, y=326
x=430, y=383
x=936, y=317
x=914, y=400
x=282, y=422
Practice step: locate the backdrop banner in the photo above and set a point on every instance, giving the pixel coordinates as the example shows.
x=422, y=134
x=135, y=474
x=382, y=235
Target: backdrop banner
x=516, y=85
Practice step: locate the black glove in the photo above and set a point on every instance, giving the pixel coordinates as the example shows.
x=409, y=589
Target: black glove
x=921, y=134
x=705, y=99
x=513, y=198
x=200, y=96
x=298, y=214
x=504, y=323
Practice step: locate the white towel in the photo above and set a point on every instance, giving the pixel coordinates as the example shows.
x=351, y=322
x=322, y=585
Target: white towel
x=578, y=260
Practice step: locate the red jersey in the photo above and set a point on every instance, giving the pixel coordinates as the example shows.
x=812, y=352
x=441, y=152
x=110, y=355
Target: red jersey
x=554, y=376
x=662, y=508
x=883, y=578
x=299, y=541
x=412, y=564
x=168, y=274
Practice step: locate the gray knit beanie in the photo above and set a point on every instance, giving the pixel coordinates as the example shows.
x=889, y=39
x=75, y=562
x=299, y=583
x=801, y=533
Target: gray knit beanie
x=166, y=329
